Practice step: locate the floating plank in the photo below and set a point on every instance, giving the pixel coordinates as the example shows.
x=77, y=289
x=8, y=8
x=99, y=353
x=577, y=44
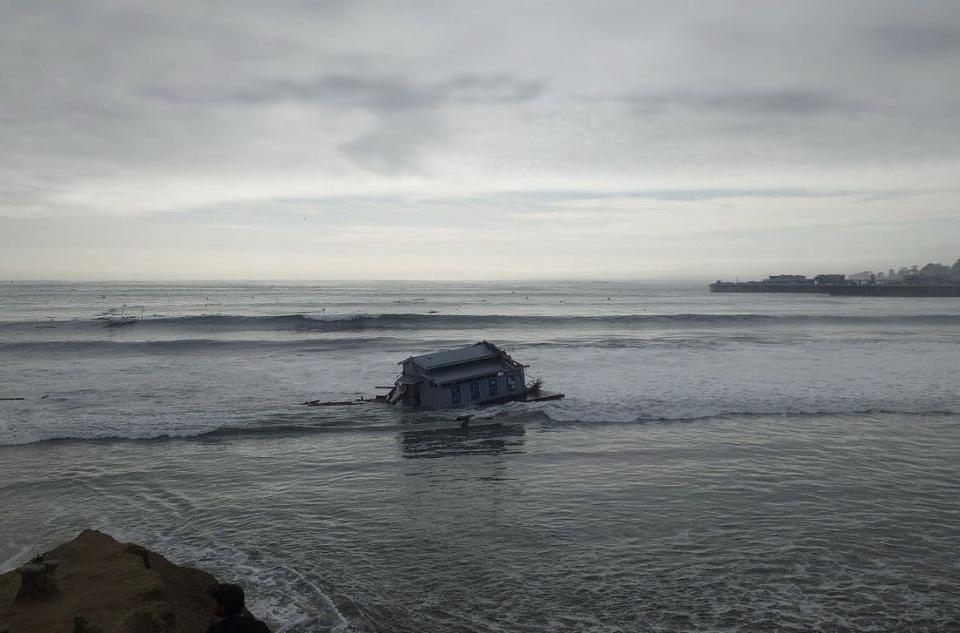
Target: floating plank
x=541, y=396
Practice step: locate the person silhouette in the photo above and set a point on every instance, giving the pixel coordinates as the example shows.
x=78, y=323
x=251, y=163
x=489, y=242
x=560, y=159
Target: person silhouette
x=232, y=610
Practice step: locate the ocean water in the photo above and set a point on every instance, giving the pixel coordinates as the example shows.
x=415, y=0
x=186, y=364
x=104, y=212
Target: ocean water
x=721, y=462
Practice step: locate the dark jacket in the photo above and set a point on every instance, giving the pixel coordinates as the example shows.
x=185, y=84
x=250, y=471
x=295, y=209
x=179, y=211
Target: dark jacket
x=244, y=623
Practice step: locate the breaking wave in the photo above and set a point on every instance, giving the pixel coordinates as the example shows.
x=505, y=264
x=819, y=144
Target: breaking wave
x=410, y=321
x=508, y=418
x=105, y=348
x=192, y=345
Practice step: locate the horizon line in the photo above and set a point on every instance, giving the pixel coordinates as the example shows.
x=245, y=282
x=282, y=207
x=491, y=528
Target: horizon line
x=355, y=280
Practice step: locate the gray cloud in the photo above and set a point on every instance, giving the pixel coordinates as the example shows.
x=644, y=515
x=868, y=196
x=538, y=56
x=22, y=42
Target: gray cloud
x=753, y=109
x=396, y=142
x=691, y=194
x=916, y=40
x=384, y=93
x=499, y=88
x=405, y=110
x=788, y=102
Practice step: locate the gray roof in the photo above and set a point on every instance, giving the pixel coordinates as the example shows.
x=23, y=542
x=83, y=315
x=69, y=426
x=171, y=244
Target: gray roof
x=475, y=352
x=473, y=370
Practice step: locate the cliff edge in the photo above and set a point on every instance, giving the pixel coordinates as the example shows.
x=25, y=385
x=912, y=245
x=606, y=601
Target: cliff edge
x=95, y=584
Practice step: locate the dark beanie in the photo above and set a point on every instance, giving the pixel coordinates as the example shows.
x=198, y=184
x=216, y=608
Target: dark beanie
x=230, y=597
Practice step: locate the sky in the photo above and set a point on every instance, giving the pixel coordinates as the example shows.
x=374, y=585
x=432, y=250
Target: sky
x=476, y=140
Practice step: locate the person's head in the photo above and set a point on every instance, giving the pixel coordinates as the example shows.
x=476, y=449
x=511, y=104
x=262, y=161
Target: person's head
x=229, y=599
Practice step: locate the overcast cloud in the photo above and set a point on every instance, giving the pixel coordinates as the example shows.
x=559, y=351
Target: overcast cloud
x=476, y=140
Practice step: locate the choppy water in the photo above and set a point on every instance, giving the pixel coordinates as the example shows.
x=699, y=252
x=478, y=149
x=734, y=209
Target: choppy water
x=721, y=462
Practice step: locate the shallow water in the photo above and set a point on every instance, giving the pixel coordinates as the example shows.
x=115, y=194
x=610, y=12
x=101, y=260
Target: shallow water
x=734, y=463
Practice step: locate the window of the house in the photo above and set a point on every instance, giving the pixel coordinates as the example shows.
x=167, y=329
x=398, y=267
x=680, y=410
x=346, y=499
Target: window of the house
x=492, y=383
x=455, y=395
x=511, y=382
x=475, y=390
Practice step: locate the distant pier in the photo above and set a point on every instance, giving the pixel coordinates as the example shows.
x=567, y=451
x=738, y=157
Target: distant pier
x=839, y=285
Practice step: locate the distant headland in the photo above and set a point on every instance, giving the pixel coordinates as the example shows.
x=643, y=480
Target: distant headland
x=932, y=280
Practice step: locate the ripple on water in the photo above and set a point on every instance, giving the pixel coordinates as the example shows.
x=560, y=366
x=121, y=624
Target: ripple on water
x=737, y=524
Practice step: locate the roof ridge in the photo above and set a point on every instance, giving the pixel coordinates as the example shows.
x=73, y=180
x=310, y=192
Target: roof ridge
x=455, y=356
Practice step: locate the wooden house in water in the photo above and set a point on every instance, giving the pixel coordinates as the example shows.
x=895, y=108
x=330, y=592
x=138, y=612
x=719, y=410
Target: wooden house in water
x=478, y=374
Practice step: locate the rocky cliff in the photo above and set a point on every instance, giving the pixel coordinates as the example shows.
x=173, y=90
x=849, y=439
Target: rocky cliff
x=95, y=584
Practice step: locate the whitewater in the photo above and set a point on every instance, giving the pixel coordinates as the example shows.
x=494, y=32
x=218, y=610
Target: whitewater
x=720, y=461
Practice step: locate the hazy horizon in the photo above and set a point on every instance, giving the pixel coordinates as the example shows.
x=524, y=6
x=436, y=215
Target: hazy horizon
x=690, y=280
x=548, y=140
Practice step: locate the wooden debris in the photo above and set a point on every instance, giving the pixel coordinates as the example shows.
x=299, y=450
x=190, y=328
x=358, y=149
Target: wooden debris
x=542, y=396
x=331, y=403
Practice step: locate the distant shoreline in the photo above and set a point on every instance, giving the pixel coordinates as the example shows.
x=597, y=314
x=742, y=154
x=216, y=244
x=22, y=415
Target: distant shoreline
x=844, y=289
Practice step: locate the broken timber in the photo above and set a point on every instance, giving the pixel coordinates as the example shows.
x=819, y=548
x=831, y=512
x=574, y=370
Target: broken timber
x=344, y=403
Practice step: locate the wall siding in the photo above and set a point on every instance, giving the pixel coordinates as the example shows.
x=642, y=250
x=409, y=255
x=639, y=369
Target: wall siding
x=439, y=397
x=445, y=399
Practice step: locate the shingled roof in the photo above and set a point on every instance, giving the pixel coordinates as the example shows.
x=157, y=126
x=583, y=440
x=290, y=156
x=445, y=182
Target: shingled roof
x=478, y=351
